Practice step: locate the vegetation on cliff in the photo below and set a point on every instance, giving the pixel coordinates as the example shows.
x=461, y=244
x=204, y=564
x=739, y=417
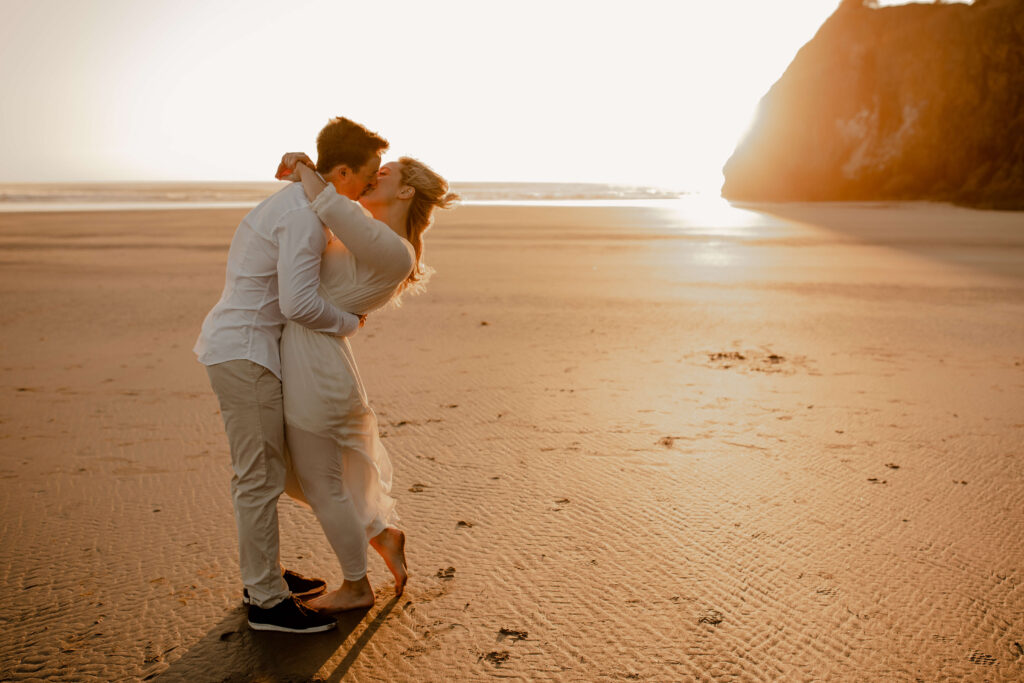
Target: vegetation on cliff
x=906, y=102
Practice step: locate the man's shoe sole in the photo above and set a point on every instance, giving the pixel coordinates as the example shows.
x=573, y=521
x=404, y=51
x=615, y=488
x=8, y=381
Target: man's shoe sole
x=284, y=629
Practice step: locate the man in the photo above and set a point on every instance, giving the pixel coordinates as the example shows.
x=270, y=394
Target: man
x=273, y=273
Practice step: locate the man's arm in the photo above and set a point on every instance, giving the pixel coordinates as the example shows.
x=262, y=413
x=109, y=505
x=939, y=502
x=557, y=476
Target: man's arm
x=301, y=241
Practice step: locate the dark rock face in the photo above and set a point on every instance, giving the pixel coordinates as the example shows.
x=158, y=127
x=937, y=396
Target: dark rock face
x=906, y=102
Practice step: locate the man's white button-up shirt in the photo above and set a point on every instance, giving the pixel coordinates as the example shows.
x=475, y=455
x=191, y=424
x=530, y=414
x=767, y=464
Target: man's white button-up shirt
x=273, y=275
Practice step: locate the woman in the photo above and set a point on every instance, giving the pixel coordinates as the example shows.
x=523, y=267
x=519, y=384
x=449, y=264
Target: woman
x=336, y=453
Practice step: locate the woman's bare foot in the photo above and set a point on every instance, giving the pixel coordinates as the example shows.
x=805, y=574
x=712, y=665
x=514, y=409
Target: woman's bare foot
x=390, y=543
x=351, y=595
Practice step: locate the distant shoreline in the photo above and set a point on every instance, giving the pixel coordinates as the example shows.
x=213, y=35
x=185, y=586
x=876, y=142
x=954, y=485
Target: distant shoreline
x=74, y=207
x=234, y=196
x=8, y=208
x=173, y=195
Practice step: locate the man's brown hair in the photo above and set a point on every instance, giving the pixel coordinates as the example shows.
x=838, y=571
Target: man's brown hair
x=343, y=141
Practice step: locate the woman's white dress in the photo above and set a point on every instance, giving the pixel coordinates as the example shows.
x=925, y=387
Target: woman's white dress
x=364, y=264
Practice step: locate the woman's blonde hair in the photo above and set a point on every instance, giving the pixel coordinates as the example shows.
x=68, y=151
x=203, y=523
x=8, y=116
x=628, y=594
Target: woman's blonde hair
x=431, y=192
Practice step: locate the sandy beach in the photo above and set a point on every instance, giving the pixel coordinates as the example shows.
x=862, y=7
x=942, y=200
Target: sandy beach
x=771, y=442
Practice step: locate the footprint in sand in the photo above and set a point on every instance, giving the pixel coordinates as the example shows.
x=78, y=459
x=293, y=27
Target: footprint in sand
x=463, y=524
x=417, y=488
x=515, y=634
x=448, y=573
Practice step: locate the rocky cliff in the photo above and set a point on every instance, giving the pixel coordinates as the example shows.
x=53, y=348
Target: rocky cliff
x=905, y=102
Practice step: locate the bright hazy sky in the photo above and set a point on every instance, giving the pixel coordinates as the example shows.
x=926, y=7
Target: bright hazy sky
x=644, y=92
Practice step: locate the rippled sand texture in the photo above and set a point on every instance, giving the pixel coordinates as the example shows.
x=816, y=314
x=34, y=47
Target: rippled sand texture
x=630, y=443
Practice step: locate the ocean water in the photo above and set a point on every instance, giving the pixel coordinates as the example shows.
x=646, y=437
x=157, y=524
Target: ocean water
x=135, y=196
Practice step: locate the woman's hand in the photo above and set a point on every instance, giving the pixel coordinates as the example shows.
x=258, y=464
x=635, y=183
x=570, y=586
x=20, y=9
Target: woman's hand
x=286, y=169
x=312, y=183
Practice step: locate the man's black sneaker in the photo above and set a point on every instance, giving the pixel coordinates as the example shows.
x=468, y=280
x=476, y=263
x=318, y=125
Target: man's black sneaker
x=302, y=587
x=289, y=616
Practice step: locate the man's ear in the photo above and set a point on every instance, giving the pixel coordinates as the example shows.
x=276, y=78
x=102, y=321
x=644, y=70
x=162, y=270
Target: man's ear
x=406, y=192
x=341, y=172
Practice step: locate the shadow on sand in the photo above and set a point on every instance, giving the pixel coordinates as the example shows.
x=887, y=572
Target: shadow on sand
x=232, y=651
x=989, y=241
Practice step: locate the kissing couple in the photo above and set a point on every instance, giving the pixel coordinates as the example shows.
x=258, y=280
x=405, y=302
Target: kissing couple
x=304, y=269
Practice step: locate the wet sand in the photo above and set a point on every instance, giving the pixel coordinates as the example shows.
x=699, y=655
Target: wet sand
x=783, y=442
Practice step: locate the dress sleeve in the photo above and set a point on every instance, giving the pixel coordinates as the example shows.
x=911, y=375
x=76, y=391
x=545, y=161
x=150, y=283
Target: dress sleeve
x=371, y=241
x=301, y=241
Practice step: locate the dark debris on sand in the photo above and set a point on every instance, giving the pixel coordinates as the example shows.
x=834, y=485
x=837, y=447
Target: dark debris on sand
x=751, y=360
x=514, y=634
x=497, y=657
x=711, y=616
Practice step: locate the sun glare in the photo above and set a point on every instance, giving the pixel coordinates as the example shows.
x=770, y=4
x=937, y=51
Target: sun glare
x=531, y=91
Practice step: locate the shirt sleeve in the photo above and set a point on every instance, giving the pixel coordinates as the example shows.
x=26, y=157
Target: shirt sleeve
x=371, y=241
x=301, y=242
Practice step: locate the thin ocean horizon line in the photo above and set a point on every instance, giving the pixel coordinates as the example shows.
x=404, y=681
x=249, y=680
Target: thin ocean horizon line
x=40, y=197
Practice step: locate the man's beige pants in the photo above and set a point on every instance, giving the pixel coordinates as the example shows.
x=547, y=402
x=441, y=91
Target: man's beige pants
x=253, y=412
